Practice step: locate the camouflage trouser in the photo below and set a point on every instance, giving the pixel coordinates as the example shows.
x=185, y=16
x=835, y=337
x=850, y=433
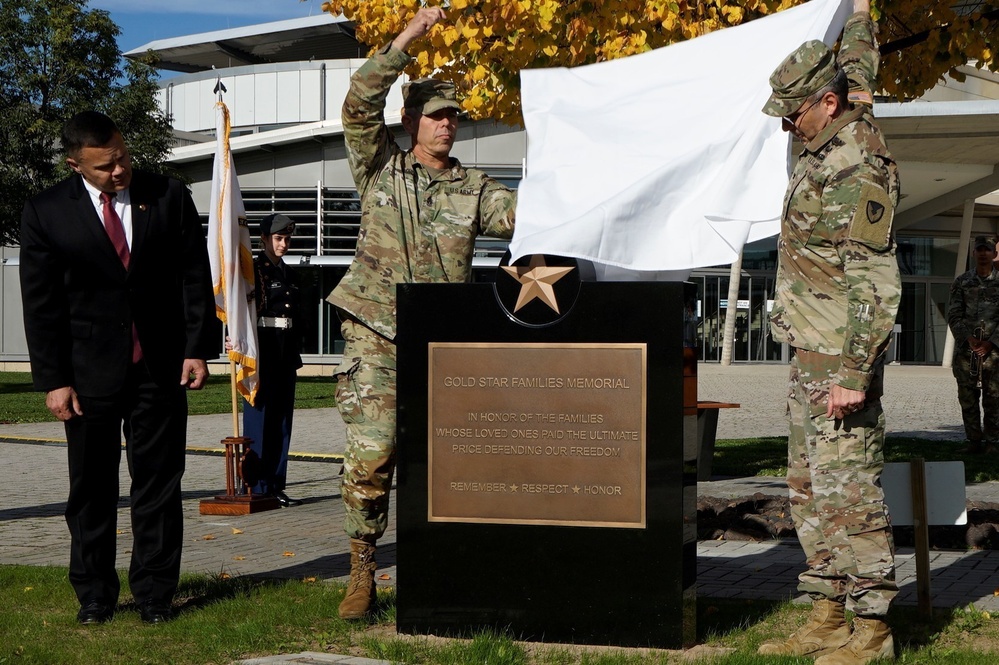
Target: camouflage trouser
x=365, y=397
x=968, y=395
x=834, y=478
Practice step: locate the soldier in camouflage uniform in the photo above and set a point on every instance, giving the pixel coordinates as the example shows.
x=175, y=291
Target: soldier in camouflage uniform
x=420, y=213
x=973, y=315
x=837, y=293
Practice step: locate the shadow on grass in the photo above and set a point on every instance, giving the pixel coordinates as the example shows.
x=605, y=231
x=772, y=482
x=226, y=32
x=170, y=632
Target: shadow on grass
x=15, y=388
x=744, y=624
x=199, y=591
x=718, y=618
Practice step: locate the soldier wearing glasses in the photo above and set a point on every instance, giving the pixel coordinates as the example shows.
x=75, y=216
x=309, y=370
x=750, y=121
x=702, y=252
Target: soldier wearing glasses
x=838, y=291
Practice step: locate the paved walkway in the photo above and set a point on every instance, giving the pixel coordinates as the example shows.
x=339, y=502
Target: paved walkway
x=308, y=540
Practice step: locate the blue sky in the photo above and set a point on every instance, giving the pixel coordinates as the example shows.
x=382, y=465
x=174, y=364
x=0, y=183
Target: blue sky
x=143, y=21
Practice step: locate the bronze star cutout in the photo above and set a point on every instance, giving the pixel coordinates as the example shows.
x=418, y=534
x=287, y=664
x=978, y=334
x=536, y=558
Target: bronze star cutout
x=536, y=281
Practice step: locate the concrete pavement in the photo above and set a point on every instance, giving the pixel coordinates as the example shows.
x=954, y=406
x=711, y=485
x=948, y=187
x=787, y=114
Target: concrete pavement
x=308, y=541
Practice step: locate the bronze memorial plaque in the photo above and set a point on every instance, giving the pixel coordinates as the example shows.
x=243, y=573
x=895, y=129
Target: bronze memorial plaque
x=537, y=434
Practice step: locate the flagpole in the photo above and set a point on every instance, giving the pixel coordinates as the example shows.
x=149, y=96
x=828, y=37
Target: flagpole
x=235, y=407
x=230, y=254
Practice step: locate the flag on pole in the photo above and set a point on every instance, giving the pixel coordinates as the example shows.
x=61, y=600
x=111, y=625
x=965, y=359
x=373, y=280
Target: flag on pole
x=663, y=160
x=232, y=261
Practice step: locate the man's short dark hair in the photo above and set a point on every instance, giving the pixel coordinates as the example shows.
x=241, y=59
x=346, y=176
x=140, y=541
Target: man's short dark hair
x=839, y=86
x=87, y=129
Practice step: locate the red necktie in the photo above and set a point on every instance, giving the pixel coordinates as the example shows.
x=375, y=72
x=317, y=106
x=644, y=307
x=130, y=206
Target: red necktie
x=112, y=224
x=116, y=231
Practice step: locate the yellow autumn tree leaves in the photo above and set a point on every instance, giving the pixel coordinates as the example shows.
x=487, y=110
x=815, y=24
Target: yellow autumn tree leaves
x=937, y=38
x=484, y=44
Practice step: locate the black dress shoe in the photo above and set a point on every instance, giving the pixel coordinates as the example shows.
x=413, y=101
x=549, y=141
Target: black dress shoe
x=155, y=611
x=95, y=611
x=286, y=500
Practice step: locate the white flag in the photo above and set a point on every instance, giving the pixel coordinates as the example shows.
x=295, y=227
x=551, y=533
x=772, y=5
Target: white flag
x=663, y=160
x=232, y=261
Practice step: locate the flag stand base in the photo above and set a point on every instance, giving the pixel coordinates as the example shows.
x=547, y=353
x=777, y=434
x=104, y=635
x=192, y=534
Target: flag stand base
x=231, y=503
x=237, y=505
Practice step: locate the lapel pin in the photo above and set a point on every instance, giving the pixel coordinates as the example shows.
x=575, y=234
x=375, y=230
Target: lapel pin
x=142, y=207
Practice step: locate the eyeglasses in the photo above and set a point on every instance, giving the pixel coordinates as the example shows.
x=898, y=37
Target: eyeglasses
x=792, y=119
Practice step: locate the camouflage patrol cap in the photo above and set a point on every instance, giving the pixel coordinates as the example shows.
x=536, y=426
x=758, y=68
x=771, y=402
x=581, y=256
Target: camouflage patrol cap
x=810, y=68
x=985, y=241
x=428, y=96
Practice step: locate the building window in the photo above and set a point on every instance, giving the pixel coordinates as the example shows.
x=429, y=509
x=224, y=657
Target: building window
x=926, y=257
x=326, y=253
x=760, y=255
x=341, y=221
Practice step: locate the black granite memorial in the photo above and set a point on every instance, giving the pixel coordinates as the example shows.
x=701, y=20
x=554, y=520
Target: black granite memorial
x=546, y=469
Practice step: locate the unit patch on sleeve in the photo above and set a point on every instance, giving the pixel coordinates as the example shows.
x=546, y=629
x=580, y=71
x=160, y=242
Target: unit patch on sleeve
x=871, y=223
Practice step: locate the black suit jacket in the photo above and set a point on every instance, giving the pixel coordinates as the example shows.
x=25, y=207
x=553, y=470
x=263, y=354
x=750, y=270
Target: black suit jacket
x=80, y=302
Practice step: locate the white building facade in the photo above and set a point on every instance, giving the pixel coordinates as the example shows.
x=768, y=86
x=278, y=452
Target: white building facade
x=285, y=82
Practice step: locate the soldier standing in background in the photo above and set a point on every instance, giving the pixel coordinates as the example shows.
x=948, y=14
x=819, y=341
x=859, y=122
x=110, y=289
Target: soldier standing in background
x=279, y=324
x=972, y=315
x=420, y=213
x=838, y=290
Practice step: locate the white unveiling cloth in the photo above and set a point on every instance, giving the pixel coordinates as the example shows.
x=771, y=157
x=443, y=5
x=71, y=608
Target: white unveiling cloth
x=662, y=161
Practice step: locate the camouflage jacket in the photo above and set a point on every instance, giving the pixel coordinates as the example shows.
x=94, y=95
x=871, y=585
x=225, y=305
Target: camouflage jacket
x=838, y=286
x=414, y=227
x=974, y=303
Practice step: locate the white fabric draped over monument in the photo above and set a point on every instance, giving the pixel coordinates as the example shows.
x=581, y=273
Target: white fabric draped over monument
x=662, y=161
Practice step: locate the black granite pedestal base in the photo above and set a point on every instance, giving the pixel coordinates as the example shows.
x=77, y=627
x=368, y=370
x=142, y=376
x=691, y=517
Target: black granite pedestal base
x=543, y=485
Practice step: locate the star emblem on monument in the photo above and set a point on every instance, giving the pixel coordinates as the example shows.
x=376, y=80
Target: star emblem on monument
x=536, y=280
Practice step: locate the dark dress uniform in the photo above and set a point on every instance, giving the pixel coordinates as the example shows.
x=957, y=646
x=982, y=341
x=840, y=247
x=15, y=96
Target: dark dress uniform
x=279, y=325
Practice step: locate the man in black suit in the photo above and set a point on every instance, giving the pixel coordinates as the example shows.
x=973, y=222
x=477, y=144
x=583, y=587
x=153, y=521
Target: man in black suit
x=119, y=317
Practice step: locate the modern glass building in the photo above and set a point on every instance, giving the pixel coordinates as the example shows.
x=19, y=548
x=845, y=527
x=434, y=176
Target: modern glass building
x=927, y=265
x=284, y=85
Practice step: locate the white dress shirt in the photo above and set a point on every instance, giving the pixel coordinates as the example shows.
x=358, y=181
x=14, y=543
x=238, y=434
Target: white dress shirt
x=122, y=205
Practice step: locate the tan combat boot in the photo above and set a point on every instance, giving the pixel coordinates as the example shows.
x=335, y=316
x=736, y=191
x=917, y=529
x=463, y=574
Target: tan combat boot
x=871, y=639
x=825, y=631
x=361, y=588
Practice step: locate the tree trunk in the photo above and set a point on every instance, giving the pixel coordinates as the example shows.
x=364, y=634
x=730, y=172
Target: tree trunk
x=728, y=336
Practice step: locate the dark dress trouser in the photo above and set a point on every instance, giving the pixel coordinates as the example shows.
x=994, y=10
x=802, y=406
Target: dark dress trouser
x=155, y=427
x=269, y=422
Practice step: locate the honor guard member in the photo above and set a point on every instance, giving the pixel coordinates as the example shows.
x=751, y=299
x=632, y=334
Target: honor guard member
x=973, y=315
x=420, y=213
x=279, y=324
x=837, y=293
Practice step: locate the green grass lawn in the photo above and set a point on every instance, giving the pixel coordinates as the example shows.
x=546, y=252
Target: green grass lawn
x=20, y=403
x=222, y=620
x=764, y=456
x=767, y=456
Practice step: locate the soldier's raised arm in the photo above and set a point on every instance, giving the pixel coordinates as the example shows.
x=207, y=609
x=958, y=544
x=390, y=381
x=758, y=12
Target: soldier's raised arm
x=370, y=144
x=858, y=54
